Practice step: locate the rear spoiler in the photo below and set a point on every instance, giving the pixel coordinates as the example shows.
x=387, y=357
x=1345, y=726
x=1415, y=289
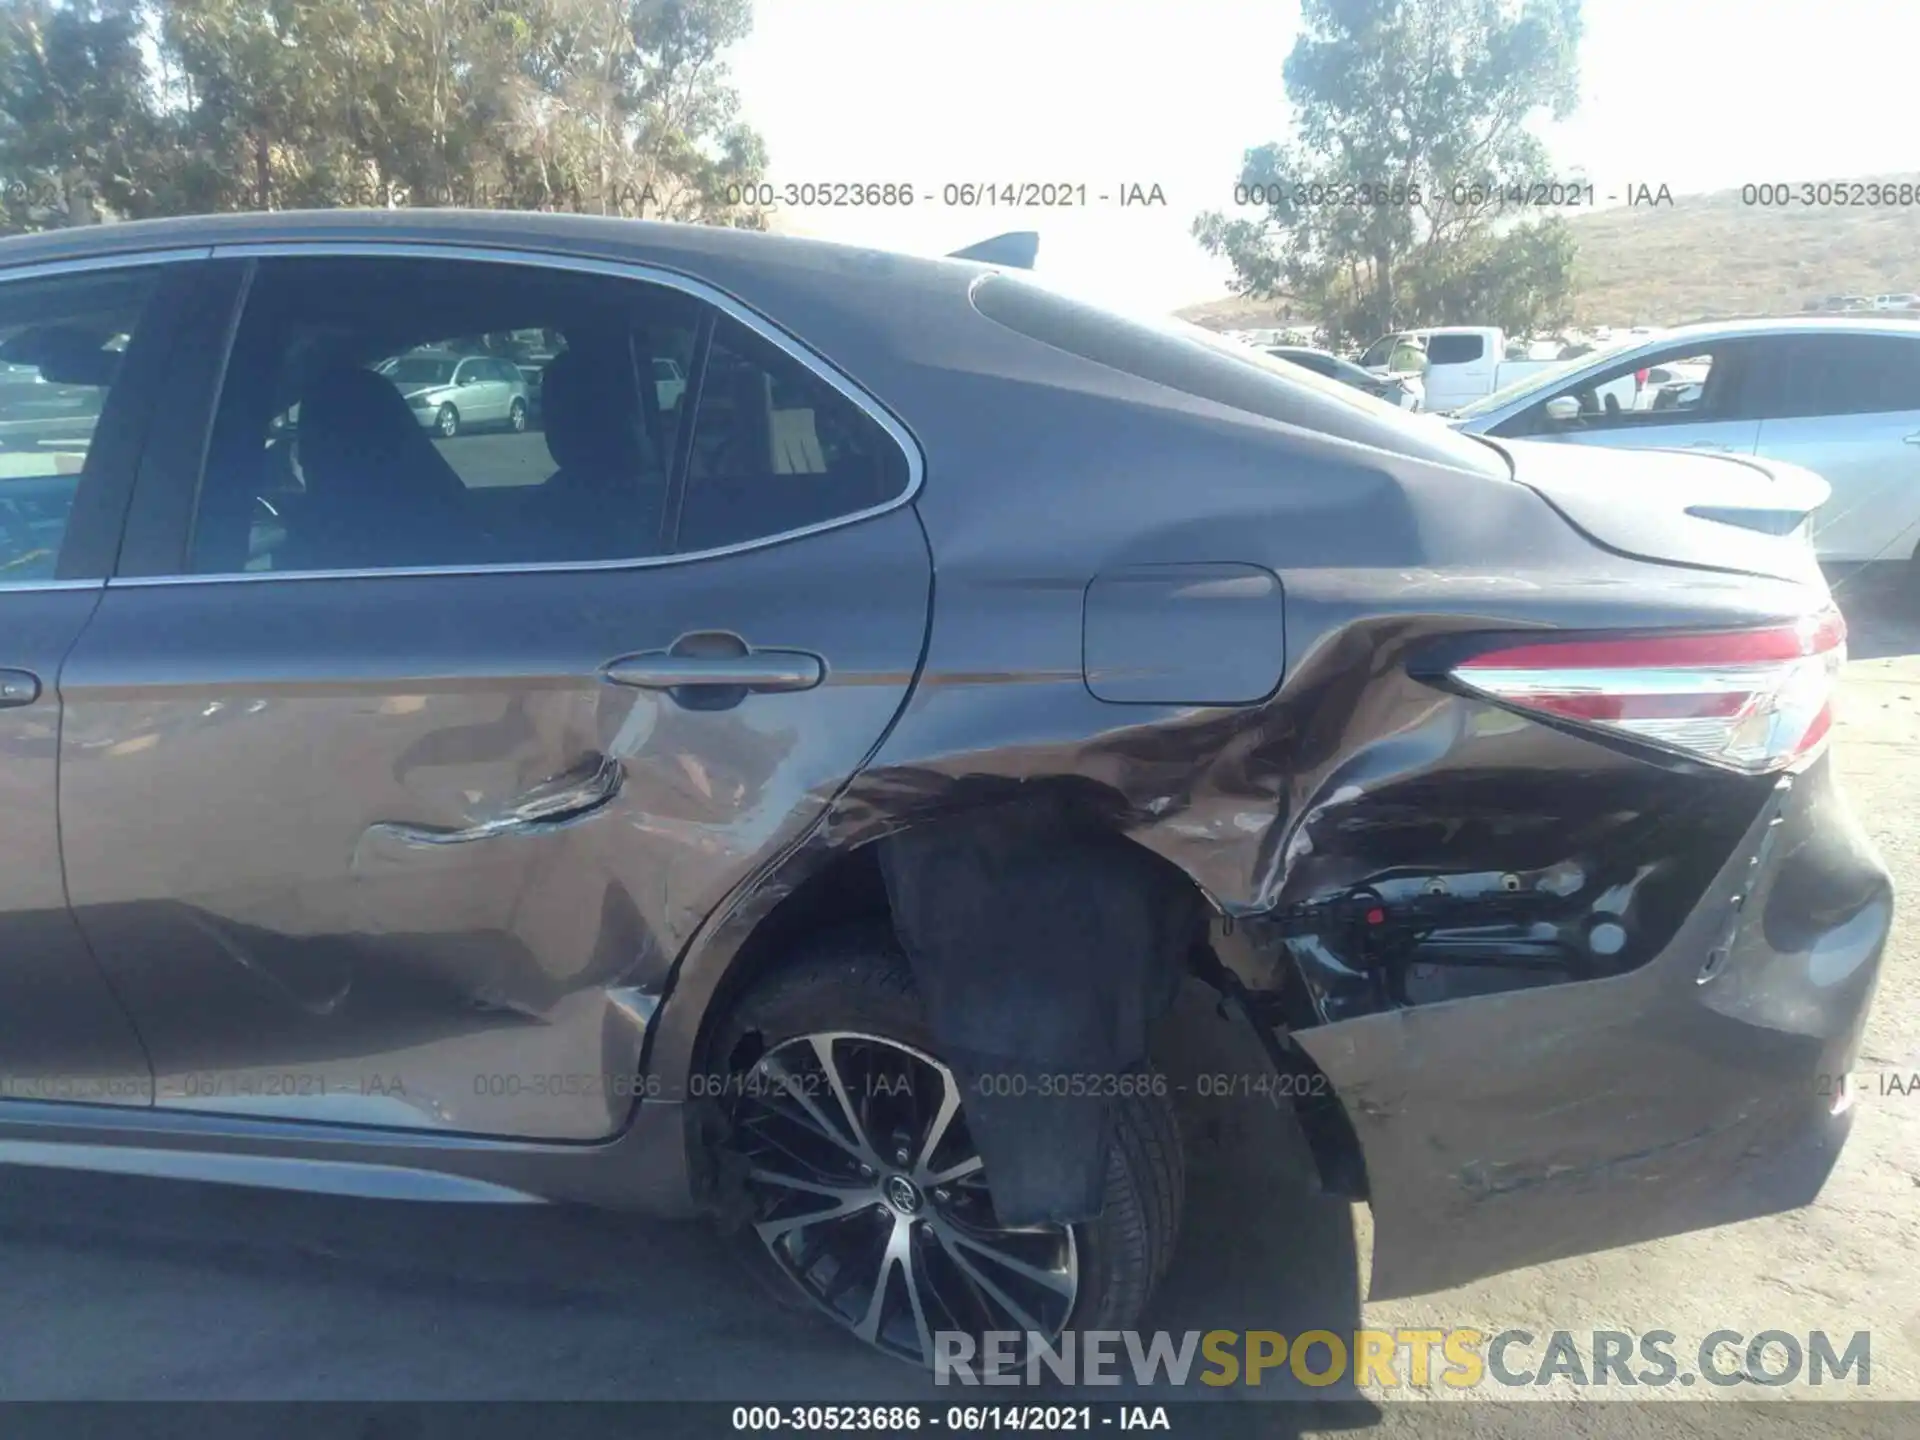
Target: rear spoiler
x=1016, y=249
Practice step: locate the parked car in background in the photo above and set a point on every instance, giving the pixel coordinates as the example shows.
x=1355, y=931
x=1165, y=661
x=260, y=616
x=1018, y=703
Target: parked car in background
x=1906, y=300
x=1404, y=389
x=1839, y=397
x=642, y=826
x=449, y=393
x=1459, y=363
x=669, y=381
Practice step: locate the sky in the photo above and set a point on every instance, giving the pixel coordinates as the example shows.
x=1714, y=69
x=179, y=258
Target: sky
x=1694, y=94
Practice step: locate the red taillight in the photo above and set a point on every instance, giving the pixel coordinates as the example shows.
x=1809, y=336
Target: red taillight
x=1750, y=700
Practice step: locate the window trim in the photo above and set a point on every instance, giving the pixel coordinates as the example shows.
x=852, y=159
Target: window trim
x=699, y=290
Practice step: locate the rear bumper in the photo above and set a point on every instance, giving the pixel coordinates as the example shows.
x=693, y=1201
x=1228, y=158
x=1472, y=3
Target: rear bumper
x=1509, y=1130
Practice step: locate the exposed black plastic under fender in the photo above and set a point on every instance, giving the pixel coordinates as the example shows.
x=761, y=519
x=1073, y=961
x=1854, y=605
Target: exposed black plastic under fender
x=1043, y=949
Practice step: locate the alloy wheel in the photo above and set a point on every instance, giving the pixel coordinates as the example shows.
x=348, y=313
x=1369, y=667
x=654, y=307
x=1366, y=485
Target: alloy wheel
x=868, y=1193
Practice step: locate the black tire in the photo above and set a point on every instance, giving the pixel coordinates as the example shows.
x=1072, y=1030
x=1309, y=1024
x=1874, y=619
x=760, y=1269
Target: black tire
x=858, y=980
x=517, y=416
x=447, y=422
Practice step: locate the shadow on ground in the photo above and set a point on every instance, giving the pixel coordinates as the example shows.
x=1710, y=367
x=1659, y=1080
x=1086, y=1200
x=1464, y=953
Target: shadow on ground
x=1882, y=606
x=128, y=1288
x=121, y=1288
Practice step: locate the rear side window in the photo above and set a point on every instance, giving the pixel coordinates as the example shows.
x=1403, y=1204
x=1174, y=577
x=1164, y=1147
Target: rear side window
x=775, y=448
x=377, y=414
x=1455, y=349
x=62, y=341
x=1814, y=375
x=408, y=414
x=1224, y=372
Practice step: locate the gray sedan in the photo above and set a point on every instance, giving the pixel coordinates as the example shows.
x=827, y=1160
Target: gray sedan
x=798, y=796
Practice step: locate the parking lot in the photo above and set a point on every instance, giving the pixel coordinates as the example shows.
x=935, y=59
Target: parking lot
x=119, y=1287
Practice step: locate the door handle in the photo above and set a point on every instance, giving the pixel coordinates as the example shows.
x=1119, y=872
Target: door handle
x=717, y=662
x=17, y=688
x=763, y=671
x=1914, y=438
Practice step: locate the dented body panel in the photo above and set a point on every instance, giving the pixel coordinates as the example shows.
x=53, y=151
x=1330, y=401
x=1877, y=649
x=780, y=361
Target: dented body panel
x=438, y=879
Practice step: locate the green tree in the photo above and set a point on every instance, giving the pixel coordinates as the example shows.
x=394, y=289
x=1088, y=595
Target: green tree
x=1405, y=95
x=631, y=111
x=619, y=107
x=78, y=137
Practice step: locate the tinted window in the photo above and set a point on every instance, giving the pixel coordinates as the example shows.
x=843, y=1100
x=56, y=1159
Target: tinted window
x=1455, y=349
x=61, y=343
x=334, y=446
x=775, y=448
x=1839, y=375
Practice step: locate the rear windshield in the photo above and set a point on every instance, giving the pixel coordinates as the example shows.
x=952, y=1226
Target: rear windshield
x=1192, y=361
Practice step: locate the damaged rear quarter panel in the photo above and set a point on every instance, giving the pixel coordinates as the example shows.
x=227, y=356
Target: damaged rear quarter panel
x=1350, y=776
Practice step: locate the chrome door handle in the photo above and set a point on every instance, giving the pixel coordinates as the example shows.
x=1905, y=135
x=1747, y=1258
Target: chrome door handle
x=17, y=688
x=760, y=670
x=716, y=669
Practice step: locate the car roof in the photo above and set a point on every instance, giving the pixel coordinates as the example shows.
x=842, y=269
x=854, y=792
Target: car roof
x=867, y=312
x=506, y=229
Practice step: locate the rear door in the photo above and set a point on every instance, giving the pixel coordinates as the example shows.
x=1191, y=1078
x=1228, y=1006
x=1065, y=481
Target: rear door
x=87, y=352
x=397, y=771
x=1848, y=408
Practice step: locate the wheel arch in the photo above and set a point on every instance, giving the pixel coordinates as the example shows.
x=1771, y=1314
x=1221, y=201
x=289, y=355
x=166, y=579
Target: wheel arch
x=1087, y=863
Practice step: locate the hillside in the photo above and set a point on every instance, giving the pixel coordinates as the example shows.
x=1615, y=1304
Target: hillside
x=1708, y=256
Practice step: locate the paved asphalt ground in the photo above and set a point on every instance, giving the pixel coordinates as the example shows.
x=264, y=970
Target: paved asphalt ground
x=124, y=1288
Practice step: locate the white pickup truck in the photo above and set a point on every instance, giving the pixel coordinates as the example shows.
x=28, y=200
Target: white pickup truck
x=1461, y=364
